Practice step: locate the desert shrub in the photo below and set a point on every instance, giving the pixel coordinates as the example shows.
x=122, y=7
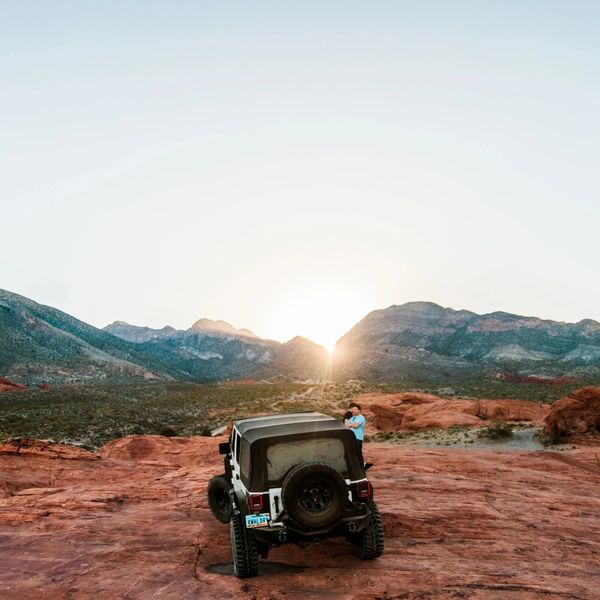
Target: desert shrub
x=547, y=439
x=497, y=430
x=457, y=429
x=96, y=413
x=168, y=431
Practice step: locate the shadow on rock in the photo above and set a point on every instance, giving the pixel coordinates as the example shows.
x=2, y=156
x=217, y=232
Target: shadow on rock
x=266, y=568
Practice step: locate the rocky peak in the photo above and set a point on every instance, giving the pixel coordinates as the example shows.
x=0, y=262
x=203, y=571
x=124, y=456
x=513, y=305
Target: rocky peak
x=138, y=334
x=589, y=326
x=302, y=341
x=422, y=338
x=220, y=327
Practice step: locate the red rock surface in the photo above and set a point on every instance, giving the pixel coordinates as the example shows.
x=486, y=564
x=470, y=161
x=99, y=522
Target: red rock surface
x=575, y=414
x=6, y=385
x=537, y=379
x=414, y=411
x=132, y=521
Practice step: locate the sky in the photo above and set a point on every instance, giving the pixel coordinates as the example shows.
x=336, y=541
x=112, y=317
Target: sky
x=291, y=166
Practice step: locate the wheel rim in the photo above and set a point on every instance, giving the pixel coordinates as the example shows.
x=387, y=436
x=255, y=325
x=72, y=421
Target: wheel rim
x=315, y=497
x=222, y=501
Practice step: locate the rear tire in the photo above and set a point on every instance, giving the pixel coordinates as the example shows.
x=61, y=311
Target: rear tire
x=218, y=498
x=368, y=543
x=243, y=549
x=314, y=495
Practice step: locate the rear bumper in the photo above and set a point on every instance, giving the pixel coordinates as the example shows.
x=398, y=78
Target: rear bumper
x=354, y=518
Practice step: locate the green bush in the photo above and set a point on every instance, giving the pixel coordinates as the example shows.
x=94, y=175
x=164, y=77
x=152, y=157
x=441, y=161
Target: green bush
x=497, y=430
x=97, y=413
x=168, y=431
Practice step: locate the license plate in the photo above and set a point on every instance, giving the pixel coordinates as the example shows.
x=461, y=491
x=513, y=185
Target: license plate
x=257, y=520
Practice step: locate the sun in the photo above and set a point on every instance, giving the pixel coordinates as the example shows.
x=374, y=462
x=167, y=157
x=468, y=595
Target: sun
x=320, y=316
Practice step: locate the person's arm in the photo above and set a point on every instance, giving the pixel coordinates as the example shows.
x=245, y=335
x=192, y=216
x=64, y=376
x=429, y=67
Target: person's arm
x=356, y=424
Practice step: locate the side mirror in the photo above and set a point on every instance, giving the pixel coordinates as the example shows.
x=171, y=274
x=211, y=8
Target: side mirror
x=224, y=448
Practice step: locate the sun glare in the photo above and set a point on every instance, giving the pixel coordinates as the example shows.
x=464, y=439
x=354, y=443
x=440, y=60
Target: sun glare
x=320, y=317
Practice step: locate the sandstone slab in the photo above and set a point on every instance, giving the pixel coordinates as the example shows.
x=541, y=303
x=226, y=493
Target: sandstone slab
x=415, y=411
x=576, y=414
x=6, y=385
x=134, y=523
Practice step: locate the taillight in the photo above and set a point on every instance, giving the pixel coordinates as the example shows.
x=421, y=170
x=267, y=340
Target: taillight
x=255, y=502
x=364, y=489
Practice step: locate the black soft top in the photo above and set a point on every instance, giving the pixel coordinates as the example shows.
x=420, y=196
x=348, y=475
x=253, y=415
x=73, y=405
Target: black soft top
x=259, y=433
x=269, y=426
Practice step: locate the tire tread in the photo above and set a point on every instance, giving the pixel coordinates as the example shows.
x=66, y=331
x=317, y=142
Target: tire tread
x=243, y=549
x=369, y=543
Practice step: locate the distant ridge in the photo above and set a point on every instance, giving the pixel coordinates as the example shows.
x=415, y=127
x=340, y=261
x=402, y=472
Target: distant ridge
x=41, y=344
x=135, y=334
x=221, y=327
x=425, y=340
x=417, y=340
x=138, y=334
x=215, y=350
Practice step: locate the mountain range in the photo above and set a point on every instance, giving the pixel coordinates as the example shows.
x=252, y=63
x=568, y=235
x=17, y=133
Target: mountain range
x=40, y=344
x=424, y=340
x=417, y=340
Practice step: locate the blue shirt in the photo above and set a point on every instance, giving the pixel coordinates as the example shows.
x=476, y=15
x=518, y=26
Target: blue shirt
x=359, y=431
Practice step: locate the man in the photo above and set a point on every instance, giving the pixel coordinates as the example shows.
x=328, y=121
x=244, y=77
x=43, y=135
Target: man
x=357, y=424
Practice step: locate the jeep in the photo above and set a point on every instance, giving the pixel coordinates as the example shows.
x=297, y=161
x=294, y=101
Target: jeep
x=293, y=478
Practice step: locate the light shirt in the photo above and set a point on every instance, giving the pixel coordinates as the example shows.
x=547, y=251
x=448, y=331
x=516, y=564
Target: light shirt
x=359, y=431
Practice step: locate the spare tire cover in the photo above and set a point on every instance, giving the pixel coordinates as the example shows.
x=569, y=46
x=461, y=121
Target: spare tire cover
x=314, y=495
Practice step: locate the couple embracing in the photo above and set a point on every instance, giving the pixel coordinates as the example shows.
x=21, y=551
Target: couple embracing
x=355, y=421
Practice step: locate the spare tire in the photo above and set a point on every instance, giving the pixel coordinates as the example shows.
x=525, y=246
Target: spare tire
x=314, y=495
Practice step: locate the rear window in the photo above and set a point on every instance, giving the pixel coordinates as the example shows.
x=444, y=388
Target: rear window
x=282, y=456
